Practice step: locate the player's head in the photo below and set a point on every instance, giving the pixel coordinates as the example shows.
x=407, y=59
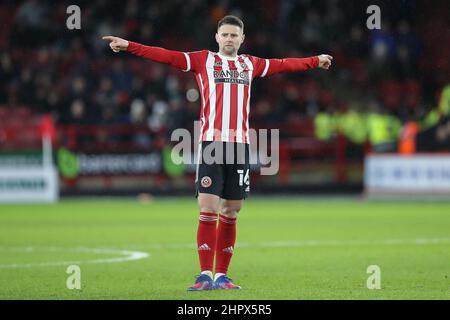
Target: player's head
x=230, y=35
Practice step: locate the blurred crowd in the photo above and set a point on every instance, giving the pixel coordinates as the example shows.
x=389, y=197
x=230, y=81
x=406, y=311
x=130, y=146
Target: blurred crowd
x=397, y=72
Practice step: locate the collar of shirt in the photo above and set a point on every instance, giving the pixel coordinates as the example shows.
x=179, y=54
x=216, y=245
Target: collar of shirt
x=227, y=58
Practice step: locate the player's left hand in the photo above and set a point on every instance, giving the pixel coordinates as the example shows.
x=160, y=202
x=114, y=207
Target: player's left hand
x=325, y=61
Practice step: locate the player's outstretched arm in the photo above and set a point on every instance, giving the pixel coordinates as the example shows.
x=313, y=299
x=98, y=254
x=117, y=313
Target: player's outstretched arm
x=272, y=66
x=174, y=58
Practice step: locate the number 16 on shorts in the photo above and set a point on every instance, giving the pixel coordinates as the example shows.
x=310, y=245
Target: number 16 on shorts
x=243, y=178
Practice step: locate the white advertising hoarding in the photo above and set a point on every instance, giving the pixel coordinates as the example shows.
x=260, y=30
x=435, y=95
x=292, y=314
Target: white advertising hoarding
x=35, y=184
x=426, y=174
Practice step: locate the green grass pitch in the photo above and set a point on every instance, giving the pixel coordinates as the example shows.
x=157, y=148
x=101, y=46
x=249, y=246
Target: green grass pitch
x=287, y=248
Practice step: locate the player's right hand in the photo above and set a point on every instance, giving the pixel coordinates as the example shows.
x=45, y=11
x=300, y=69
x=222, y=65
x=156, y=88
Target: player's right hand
x=117, y=44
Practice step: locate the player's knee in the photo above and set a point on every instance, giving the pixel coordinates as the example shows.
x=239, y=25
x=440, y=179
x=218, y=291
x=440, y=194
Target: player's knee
x=230, y=211
x=208, y=209
x=208, y=205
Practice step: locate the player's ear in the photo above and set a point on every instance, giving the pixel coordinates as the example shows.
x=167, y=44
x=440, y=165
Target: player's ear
x=243, y=38
x=217, y=37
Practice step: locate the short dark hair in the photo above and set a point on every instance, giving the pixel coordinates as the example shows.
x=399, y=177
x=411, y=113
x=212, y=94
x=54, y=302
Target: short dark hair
x=233, y=20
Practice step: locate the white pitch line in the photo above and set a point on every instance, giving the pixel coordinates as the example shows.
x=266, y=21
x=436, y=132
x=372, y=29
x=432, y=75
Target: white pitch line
x=313, y=243
x=388, y=242
x=126, y=256
x=137, y=255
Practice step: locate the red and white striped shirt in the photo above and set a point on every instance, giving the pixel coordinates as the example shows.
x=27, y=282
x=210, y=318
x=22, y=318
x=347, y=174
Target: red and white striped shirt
x=225, y=85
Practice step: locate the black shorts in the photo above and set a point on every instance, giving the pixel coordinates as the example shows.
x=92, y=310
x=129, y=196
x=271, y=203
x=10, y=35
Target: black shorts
x=223, y=169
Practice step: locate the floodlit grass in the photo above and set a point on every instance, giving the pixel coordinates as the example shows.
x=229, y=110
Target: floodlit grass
x=286, y=248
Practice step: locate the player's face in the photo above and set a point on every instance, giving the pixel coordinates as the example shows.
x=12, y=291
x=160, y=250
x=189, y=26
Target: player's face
x=229, y=38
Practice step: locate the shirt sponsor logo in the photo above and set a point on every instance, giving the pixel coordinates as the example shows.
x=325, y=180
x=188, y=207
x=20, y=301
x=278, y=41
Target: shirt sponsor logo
x=231, y=76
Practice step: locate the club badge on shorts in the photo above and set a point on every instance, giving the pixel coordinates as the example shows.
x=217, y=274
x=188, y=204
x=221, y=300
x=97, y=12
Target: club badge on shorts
x=206, y=182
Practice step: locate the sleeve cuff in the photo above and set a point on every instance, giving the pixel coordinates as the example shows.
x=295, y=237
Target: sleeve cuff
x=131, y=46
x=316, y=61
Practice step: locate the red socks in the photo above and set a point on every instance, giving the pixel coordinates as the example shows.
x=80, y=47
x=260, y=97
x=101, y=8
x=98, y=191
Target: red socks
x=226, y=237
x=206, y=239
x=215, y=240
